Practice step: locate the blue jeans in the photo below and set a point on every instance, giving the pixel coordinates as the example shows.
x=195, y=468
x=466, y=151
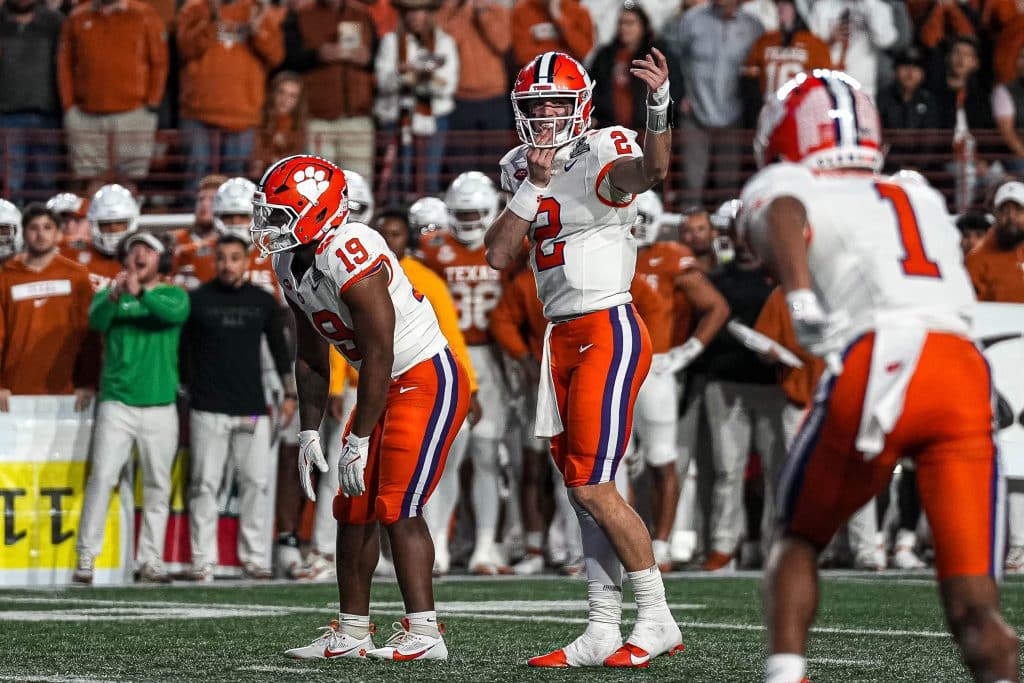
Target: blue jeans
x=212, y=150
x=22, y=136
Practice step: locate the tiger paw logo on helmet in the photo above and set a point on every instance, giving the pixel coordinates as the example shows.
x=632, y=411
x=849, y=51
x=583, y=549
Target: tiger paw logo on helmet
x=311, y=183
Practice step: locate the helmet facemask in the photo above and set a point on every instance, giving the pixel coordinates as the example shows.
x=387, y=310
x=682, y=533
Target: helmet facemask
x=646, y=228
x=567, y=128
x=106, y=240
x=273, y=225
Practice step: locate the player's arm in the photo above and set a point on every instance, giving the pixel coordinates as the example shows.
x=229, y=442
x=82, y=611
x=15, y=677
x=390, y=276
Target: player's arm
x=373, y=323
x=505, y=237
x=312, y=371
x=633, y=175
x=711, y=306
x=782, y=244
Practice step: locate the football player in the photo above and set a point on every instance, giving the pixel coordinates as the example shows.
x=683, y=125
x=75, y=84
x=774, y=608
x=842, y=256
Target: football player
x=669, y=268
x=113, y=215
x=426, y=215
x=346, y=288
x=11, y=241
x=572, y=194
x=458, y=256
x=875, y=284
x=74, y=225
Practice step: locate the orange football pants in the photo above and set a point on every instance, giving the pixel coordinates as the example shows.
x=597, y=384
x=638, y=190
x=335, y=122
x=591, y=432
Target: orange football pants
x=425, y=409
x=946, y=427
x=598, y=362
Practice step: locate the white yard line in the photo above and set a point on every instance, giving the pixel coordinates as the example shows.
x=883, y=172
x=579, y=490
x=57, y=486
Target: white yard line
x=53, y=679
x=829, y=661
x=266, y=668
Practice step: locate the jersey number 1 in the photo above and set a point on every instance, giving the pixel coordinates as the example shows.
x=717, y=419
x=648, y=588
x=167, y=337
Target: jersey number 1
x=916, y=262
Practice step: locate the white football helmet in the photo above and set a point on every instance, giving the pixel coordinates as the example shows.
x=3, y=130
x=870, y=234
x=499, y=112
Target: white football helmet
x=649, y=213
x=10, y=229
x=65, y=202
x=724, y=216
x=428, y=214
x=112, y=204
x=360, y=198
x=234, y=198
x=471, y=193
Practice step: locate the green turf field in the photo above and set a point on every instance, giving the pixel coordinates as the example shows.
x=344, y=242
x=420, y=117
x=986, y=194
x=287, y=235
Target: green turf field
x=870, y=629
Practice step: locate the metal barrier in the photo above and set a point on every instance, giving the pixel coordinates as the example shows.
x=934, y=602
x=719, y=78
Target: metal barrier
x=402, y=173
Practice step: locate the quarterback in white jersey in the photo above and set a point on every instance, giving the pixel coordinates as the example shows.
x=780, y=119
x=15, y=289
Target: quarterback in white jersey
x=875, y=284
x=573, y=197
x=346, y=288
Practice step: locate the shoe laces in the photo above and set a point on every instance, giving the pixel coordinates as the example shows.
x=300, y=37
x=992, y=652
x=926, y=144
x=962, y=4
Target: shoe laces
x=330, y=633
x=402, y=634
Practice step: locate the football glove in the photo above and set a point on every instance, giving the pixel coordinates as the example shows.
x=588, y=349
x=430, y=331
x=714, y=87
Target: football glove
x=310, y=454
x=678, y=357
x=352, y=465
x=819, y=332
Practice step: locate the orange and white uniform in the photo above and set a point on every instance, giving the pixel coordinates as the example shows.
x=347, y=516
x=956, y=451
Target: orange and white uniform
x=429, y=397
x=913, y=384
x=102, y=268
x=597, y=349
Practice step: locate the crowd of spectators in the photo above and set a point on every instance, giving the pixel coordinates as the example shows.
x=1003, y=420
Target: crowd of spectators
x=376, y=85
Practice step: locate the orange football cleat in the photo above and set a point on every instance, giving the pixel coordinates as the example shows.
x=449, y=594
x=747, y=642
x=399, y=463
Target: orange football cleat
x=552, y=660
x=630, y=656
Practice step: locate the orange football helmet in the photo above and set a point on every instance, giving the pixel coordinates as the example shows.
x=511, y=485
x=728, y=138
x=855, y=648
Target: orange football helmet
x=553, y=75
x=822, y=119
x=298, y=199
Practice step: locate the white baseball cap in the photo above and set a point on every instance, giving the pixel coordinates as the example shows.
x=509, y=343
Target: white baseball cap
x=149, y=239
x=1010, y=192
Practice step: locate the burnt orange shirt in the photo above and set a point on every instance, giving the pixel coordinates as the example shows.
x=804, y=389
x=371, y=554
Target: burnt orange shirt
x=101, y=268
x=473, y=284
x=536, y=31
x=660, y=264
x=44, y=326
x=773, y=63
x=483, y=39
x=997, y=274
x=112, y=60
x=194, y=263
x=774, y=322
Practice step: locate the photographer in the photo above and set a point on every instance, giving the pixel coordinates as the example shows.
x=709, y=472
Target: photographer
x=417, y=71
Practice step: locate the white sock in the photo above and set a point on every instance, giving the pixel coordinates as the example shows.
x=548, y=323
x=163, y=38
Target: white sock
x=649, y=593
x=787, y=668
x=355, y=625
x=423, y=623
x=535, y=542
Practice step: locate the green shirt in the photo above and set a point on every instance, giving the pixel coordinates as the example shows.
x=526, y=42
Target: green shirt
x=140, y=364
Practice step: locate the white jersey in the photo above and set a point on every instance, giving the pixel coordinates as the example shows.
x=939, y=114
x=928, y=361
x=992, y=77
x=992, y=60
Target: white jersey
x=584, y=252
x=346, y=255
x=881, y=249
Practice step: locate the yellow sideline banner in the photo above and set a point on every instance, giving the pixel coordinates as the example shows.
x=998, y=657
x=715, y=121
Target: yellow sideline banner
x=44, y=449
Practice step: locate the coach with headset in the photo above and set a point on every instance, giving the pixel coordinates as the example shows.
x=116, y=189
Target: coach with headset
x=140, y=318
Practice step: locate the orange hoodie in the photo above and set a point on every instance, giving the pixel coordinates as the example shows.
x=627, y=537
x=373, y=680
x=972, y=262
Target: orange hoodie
x=536, y=31
x=225, y=60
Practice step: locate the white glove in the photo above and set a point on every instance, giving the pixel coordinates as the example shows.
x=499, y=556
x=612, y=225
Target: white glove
x=660, y=363
x=681, y=356
x=352, y=465
x=819, y=332
x=310, y=454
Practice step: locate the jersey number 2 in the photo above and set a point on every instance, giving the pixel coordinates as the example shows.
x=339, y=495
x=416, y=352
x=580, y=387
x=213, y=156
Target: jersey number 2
x=916, y=262
x=547, y=225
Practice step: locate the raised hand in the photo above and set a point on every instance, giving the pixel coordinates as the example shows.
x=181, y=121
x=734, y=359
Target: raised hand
x=653, y=70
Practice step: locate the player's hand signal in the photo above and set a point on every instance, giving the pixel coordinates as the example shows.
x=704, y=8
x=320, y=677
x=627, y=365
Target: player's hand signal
x=653, y=70
x=539, y=159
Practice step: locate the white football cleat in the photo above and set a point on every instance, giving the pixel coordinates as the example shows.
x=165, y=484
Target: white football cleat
x=532, y=563
x=589, y=649
x=1015, y=560
x=488, y=562
x=662, y=556
x=319, y=567
x=903, y=555
x=405, y=646
x=682, y=546
x=648, y=640
x=333, y=644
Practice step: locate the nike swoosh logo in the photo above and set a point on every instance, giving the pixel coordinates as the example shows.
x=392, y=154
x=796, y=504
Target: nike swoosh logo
x=637, y=661
x=399, y=657
x=585, y=347
x=570, y=164
x=655, y=261
x=329, y=653
x=402, y=390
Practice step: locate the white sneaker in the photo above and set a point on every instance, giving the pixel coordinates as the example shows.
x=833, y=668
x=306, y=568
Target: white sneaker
x=682, y=546
x=662, y=555
x=869, y=559
x=288, y=562
x=332, y=643
x=84, y=570
x=590, y=649
x=153, y=572
x=1015, y=560
x=648, y=640
x=488, y=562
x=404, y=645
x=442, y=560
x=903, y=555
x=319, y=567
x=532, y=563
x=202, y=573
